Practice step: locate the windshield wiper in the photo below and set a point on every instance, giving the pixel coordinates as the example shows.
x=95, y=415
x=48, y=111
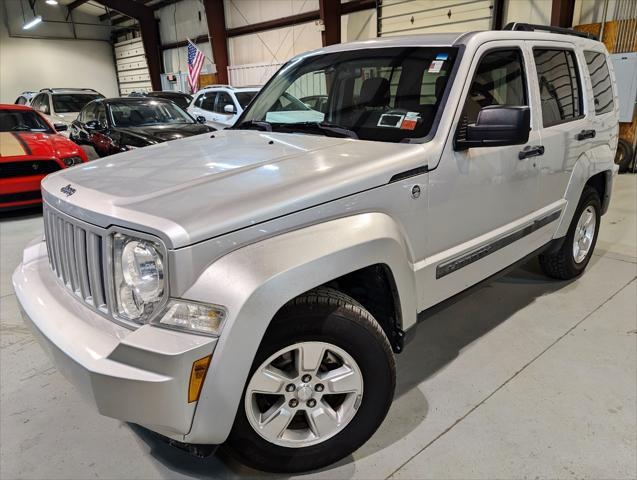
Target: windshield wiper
x=254, y=124
x=328, y=129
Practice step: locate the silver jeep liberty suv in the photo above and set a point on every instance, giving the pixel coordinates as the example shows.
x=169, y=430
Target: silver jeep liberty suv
x=250, y=288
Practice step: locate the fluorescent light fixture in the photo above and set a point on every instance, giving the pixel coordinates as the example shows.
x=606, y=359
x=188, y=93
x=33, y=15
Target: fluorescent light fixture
x=32, y=23
x=52, y=2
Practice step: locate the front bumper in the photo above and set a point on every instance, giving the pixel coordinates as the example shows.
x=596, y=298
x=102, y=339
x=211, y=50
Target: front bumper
x=139, y=376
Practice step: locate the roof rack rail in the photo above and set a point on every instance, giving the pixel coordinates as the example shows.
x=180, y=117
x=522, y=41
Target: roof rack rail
x=530, y=27
x=69, y=88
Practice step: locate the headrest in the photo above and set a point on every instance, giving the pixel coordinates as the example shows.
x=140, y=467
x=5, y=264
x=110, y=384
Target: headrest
x=374, y=92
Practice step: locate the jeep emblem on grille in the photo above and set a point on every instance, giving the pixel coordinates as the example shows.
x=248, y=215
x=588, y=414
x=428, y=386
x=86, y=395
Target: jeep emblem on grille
x=68, y=190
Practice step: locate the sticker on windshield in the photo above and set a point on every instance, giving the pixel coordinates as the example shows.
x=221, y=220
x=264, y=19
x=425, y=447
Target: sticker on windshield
x=442, y=56
x=410, y=121
x=391, y=120
x=435, y=66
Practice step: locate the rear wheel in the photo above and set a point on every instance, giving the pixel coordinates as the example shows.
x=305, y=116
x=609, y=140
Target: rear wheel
x=320, y=385
x=623, y=156
x=576, y=250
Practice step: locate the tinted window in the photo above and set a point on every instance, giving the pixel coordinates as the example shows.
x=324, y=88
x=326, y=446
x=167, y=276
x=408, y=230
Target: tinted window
x=22, y=121
x=207, y=101
x=41, y=103
x=21, y=101
x=600, y=78
x=88, y=113
x=244, y=98
x=499, y=80
x=559, y=85
x=223, y=99
x=71, y=102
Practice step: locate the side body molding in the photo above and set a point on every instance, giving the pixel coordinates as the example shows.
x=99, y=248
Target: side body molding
x=255, y=281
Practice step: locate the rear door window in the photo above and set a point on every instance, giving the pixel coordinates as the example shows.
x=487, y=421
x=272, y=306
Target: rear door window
x=600, y=79
x=560, y=85
x=223, y=99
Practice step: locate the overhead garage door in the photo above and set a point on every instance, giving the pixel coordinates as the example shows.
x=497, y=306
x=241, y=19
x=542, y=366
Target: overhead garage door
x=408, y=17
x=132, y=68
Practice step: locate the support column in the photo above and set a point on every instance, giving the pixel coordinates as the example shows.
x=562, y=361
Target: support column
x=562, y=13
x=216, y=19
x=330, y=11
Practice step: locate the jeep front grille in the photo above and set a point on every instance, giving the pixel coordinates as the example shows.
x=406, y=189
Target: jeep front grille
x=76, y=253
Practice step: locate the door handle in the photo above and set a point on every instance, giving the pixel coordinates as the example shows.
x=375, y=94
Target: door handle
x=584, y=134
x=531, y=151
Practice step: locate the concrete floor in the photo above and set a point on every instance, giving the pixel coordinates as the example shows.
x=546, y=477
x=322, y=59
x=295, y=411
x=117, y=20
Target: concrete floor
x=527, y=377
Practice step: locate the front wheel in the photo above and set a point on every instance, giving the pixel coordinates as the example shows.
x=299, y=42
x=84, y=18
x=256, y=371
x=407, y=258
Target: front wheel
x=320, y=385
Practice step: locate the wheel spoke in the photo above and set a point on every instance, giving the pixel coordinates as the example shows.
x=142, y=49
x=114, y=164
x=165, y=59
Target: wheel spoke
x=275, y=421
x=311, y=356
x=322, y=420
x=342, y=380
x=269, y=380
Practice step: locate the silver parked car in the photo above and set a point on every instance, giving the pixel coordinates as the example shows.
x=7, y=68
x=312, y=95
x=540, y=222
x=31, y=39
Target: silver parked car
x=252, y=287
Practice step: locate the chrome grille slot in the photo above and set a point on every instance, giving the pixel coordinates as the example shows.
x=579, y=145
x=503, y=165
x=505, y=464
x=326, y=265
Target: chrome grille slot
x=77, y=256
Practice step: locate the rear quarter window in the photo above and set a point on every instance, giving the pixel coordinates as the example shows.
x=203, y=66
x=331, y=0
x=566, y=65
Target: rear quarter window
x=601, y=82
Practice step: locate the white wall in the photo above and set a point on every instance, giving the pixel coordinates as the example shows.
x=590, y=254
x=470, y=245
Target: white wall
x=358, y=26
x=527, y=11
x=32, y=64
x=181, y=21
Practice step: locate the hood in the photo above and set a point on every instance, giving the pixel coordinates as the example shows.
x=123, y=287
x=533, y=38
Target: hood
x=37, y=145
x=164, y=133
x=198, y=188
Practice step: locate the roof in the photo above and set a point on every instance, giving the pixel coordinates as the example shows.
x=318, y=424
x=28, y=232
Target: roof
x=12, y=106
x=132, y=99
x=449, y=40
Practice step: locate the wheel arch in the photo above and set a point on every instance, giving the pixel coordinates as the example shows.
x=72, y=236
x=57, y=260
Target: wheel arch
x=256, y=281
x=588, y=170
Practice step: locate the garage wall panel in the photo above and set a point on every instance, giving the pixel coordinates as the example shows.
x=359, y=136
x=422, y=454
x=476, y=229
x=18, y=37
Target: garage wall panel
x=32, y=64
x=358, y=26
x=132, y=68
x=537, y=11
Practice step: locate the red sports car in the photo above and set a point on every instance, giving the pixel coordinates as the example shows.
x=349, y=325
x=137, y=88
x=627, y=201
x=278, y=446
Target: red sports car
x=30, y=149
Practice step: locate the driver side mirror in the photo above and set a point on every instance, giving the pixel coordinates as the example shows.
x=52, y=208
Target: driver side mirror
x=201, y=119
x=497, y=126
x=229, y=109
x=60, y=127
x=95, y=125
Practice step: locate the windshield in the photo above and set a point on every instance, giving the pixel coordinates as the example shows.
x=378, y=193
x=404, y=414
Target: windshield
x=244, y=98
x=382, y=94
x=145, y=112
x=72, y=102
x=22, y=121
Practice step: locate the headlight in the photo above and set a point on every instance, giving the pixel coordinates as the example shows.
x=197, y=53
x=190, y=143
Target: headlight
x=192, y=316
x=70, y=161
x=139, y=277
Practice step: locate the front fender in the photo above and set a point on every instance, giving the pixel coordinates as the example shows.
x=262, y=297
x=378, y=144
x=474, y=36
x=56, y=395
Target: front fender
x=255, y=281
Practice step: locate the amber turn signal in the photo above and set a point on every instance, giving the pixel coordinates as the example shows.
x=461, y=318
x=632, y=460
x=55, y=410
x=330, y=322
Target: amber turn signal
x=197, y=376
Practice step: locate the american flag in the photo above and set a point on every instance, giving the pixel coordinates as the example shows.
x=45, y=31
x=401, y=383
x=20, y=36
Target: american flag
x=195, y=62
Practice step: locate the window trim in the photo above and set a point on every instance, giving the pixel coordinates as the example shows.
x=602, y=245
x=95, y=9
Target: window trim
x=525, y=79
x=583, y=110
x=590, y=77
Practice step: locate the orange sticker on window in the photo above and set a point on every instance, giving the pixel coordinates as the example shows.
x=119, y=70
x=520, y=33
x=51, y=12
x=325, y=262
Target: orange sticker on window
x=408, y=124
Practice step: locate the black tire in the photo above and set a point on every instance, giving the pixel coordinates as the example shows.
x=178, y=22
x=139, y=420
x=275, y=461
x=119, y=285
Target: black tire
x=325, y=315
x=561, y=264
x=623, y=156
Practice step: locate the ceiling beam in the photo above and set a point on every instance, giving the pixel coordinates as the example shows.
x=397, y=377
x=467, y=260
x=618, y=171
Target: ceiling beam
x=76, y=4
